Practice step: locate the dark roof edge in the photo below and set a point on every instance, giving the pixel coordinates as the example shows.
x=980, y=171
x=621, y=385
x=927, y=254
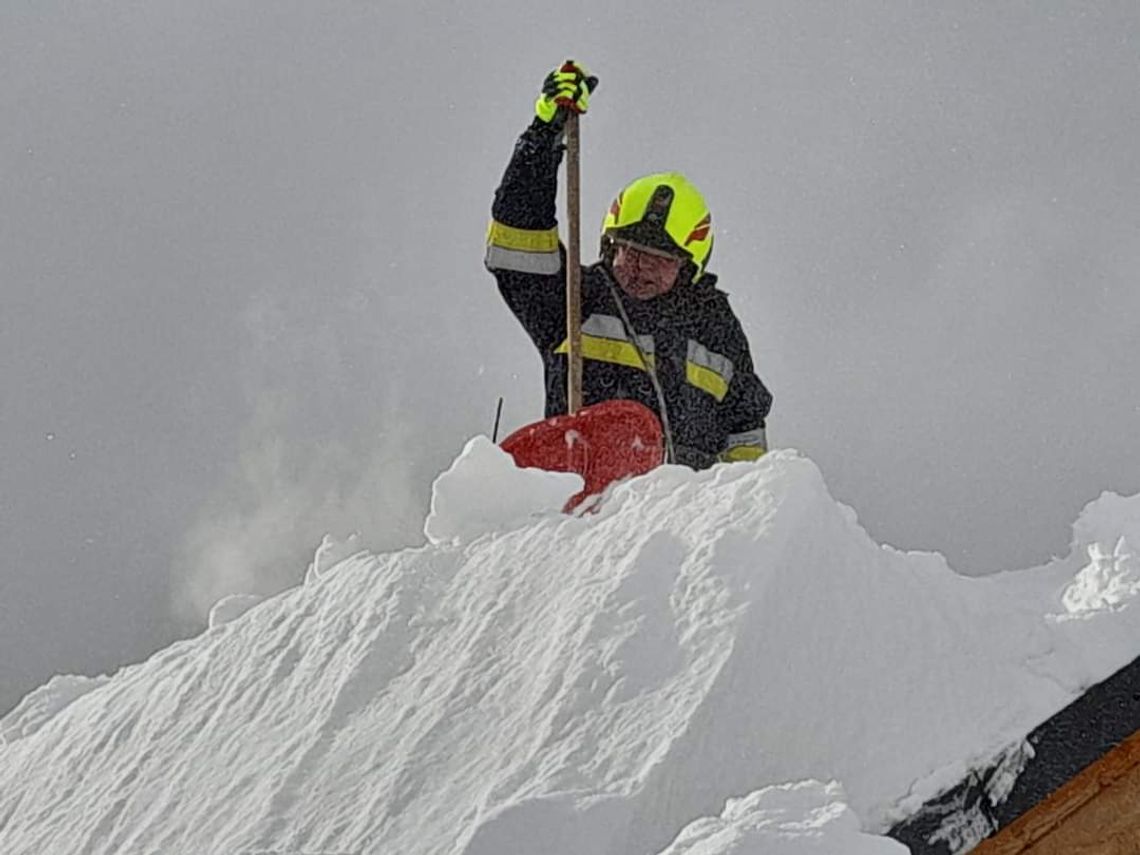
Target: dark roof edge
x=1076, y=737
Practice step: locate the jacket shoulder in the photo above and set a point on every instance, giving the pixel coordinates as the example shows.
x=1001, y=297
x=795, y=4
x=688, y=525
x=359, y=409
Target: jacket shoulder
x=710, y=298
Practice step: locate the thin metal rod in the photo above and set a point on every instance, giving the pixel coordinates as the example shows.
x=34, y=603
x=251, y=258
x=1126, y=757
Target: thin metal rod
x=498, y=415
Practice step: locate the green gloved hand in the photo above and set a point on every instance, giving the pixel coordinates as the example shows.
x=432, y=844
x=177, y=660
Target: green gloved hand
x=567, y=87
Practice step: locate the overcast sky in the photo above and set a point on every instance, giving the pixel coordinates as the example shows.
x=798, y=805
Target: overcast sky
x=243, y=302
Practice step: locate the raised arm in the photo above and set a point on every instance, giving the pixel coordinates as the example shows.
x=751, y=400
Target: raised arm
x=523, y=250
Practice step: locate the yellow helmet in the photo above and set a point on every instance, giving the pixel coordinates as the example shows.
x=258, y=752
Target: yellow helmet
x=663, y=211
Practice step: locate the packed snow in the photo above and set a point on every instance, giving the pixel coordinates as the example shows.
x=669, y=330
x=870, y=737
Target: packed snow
x=466, y=500
x=231, y=608
x=44, y=703
x=706, y=663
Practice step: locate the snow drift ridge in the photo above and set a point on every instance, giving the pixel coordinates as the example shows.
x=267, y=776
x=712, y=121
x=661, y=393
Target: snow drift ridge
x=598, y=684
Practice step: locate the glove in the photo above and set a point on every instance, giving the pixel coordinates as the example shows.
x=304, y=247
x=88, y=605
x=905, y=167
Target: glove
x=567, y=87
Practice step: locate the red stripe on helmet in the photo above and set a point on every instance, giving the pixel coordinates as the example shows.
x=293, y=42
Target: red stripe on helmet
x=700, y=230
x=615, y=207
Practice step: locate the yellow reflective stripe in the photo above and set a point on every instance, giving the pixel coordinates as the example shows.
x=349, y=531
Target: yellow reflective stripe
x=742, y=452
x=609, y=350
x=747, y=445
x=707, y=370
x=701, y=355
x=707, y=379
x=522, y=240
x=604, y=339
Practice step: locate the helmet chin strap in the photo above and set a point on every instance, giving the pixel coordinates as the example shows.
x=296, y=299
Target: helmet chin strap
x=670, y=455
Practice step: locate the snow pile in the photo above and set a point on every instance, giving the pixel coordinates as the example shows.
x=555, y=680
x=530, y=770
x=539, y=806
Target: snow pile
x=484, y=491
x=329, y=554
x=45, y=703
x=713, y=663
x=231, y=608
x=793, y=819
x=1111, y=580
x=1108, y=532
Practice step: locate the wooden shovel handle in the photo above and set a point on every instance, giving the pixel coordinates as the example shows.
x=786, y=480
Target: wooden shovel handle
x=573, y=267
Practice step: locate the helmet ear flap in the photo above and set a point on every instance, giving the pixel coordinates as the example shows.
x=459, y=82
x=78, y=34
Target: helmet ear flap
x=698, y=272
x=687, y=273
x=606, y=249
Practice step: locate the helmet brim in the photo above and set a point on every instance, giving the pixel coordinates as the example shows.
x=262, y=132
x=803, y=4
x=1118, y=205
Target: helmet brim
x=650, y=235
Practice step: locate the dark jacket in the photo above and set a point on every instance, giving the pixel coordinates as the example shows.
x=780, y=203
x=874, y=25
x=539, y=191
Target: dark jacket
x=689, y=336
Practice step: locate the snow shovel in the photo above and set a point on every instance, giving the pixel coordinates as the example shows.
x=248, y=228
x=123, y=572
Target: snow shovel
x=603, y=442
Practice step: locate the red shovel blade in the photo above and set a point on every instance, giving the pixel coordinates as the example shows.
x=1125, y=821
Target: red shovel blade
x=603, y=443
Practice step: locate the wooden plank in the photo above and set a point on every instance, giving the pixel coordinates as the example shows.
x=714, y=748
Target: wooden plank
x=1056, y=809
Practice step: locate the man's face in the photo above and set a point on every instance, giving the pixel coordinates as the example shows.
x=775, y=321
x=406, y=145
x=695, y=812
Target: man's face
x=642, y=272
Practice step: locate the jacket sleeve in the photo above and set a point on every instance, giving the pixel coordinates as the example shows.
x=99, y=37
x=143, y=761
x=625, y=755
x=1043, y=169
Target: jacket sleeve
x=745, y=407
x=523, y=250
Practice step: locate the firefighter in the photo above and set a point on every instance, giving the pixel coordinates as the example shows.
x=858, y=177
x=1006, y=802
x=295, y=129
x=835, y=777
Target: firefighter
x=655, y=327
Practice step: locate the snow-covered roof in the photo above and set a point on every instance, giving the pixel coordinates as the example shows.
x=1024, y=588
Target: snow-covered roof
x=710, y=663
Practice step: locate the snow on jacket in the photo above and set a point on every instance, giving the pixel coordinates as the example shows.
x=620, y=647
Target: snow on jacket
x=689, y=336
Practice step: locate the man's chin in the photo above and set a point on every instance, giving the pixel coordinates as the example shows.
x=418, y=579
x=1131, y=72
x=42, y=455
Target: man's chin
x=642, y=292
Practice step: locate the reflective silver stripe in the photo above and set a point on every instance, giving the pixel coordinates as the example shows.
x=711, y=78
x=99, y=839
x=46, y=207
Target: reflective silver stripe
x=755, y=437
x=500, y=258
x=610, y=326
x=705, y=358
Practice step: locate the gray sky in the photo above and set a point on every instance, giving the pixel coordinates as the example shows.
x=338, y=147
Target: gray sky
x=243, y=301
